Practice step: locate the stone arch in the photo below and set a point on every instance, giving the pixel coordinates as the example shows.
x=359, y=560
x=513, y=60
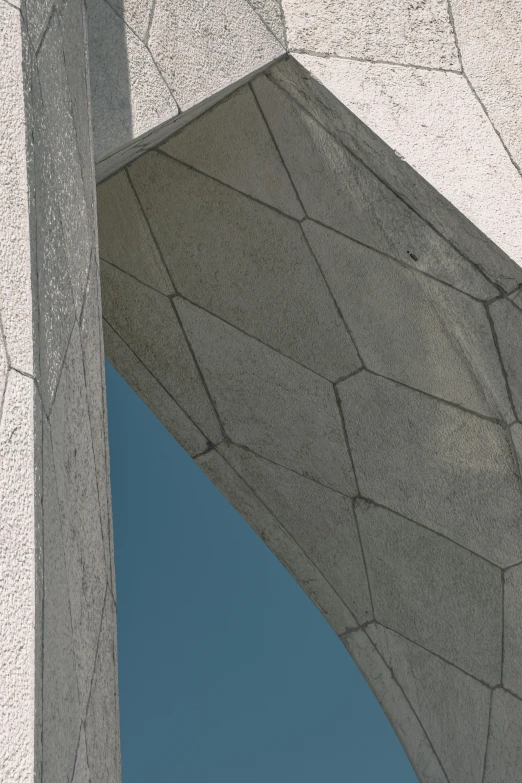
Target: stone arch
x=283, y=293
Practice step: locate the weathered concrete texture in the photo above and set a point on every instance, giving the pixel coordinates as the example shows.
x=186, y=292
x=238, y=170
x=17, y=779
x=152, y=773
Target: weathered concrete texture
x=345, y=372
x=56, y=555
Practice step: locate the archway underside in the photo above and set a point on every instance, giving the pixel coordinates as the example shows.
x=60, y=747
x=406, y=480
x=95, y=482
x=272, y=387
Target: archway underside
x=349, y=375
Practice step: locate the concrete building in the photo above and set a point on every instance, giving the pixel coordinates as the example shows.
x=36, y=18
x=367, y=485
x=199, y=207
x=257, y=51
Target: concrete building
x=306, y=242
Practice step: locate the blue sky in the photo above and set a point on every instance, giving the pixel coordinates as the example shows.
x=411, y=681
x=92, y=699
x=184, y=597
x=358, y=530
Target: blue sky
x=228, y=673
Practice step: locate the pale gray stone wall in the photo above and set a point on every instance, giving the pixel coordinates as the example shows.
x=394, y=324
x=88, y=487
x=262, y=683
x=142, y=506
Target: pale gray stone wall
x=348, y=375
x=58, y=687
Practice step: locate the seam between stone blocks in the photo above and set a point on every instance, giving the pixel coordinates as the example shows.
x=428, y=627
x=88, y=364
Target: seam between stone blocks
x=76, y=751
x=419, y=722
x=181, y=408
x=198, y=368
x=342, y=421
x=160, y=151
x=62, y=365
x=371, y=61
x=14, y=7
x=276, y=146
x=286, y=467
x=354, y=511
x=146, y=46
x=255, y=338
x=271, y=32
x=435, y=532
x=137, y=279
x=487, y=738
x=500, y=359
x=102, y=615
x=487, y=685
x=43, y=35
x=148, y=224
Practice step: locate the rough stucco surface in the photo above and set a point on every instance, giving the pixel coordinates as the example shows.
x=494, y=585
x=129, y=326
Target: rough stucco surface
x=348, y=375
x=57, y=585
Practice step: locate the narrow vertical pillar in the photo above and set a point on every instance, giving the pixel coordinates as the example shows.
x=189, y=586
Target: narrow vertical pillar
x=58, y=686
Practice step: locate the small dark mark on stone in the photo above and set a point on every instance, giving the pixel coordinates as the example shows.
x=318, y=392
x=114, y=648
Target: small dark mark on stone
x=412, y=255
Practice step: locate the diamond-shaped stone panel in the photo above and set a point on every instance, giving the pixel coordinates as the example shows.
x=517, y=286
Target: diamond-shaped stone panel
x=320, y=520
x=433, y=591
x=434, y=688
x=124, y=236
x=239, y=259
x=395, y=322
x=269, y=403
x=284, y=547
x=153, y=393
x=443, y=467
x=232, y=143
x=140, y=316
x=398, y=709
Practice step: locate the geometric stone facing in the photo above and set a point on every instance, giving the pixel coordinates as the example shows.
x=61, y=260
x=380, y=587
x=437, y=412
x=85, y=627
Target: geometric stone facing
x=349, y=378
x=297, y=297
x=58, y=689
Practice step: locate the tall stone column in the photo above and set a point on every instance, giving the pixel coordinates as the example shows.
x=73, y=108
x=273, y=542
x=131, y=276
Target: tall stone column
x=58, y=689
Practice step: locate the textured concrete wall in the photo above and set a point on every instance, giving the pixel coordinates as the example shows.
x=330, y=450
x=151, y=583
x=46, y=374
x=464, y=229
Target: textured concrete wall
x=350, y=378
x=438, y=81
x=58, y=692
